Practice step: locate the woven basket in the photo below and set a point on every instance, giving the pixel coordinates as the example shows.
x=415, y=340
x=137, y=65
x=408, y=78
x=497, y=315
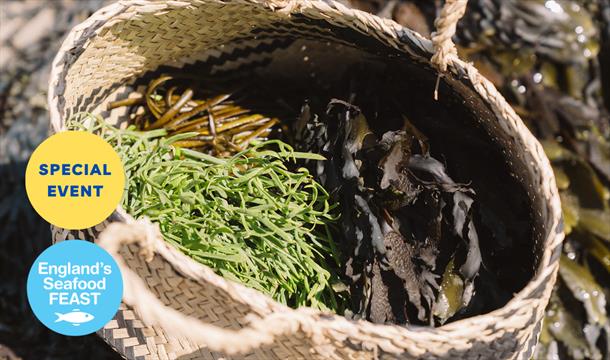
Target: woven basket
x=174, y=307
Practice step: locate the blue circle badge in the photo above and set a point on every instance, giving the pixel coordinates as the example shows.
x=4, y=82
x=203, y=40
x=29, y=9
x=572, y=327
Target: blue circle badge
x=74, y=287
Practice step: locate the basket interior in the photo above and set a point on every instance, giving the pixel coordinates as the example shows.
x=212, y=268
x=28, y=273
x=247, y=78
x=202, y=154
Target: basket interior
x=303, y=56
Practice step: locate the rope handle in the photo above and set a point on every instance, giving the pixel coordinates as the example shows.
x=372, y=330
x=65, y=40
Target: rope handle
x=259, y=331
x=444, y=48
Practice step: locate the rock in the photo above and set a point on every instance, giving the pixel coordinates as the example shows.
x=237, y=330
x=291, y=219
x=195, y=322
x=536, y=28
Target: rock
x=9, y=27
x=35, y=29
x=6, y=55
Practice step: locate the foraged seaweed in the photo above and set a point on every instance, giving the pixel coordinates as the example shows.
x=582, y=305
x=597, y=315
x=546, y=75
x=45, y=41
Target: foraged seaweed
x=410, y=245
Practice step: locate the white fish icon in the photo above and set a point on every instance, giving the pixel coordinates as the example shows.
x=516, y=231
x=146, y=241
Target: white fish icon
x=76, y=317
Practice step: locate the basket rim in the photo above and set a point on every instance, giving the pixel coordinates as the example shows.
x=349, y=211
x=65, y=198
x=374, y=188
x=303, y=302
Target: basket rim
x=394, y=35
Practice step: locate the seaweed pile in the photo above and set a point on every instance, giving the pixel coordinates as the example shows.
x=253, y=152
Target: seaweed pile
x=409, y=242
x=220, y=123
x=248, y=216
x=551, y=61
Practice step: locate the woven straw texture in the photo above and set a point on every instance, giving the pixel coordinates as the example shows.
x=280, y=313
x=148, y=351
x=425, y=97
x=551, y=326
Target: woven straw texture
x=176, y=308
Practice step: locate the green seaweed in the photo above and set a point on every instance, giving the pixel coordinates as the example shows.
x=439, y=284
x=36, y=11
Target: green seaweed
x=249, y=217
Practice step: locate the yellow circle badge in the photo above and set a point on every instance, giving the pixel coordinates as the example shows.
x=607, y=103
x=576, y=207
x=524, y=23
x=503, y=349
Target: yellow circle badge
x=74, y=180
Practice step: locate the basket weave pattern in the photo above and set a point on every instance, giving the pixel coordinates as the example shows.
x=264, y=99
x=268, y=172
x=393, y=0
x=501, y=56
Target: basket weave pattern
x=124, y=41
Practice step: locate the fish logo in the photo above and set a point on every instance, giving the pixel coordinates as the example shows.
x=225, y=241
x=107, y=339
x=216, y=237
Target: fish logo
x=75, y=317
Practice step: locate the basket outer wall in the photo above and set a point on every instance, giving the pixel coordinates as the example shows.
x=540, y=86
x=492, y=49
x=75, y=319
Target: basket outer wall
x=139, y=35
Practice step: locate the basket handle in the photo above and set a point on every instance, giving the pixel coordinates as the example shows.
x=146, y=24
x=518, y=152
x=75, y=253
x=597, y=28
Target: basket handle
x=259, y=331
x=444, y=48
